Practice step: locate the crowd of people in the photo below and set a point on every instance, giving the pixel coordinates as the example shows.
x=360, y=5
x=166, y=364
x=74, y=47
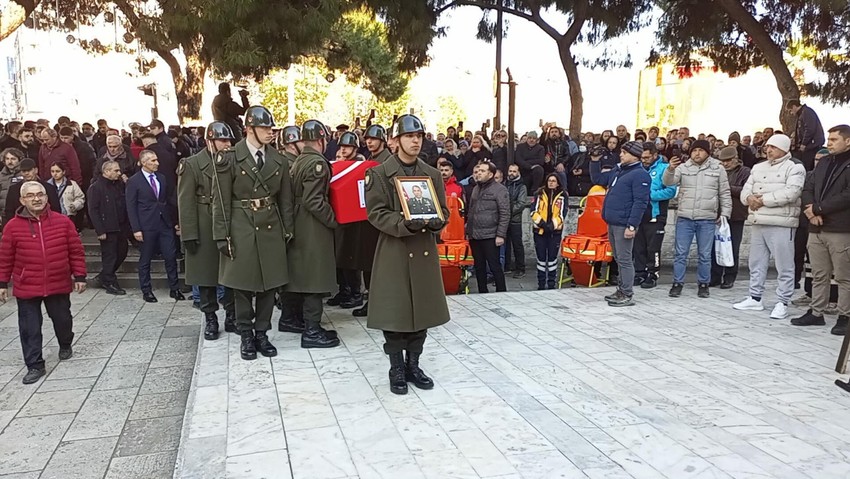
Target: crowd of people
x=248, y=206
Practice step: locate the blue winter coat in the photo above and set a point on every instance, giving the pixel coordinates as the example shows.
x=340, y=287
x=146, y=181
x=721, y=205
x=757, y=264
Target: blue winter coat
x=628, y=192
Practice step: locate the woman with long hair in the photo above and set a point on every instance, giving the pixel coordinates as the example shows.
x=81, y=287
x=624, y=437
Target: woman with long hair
x=548, y=214
x=72, y=200
x=478, y=151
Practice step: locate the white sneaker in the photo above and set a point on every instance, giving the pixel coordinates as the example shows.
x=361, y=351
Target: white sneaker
x=780, y=311
x=749, y=304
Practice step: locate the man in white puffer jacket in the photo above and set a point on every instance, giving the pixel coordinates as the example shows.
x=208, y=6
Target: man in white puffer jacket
x=773, y=195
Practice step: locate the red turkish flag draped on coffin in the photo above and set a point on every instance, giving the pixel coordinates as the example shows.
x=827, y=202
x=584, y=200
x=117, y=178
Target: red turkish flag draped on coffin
x=348, y=197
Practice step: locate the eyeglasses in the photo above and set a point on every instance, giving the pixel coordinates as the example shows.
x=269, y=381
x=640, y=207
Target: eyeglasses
x=33, y=196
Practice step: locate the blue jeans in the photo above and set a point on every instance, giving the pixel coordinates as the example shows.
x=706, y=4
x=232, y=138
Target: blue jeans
x=196, y=293
x=686, y=229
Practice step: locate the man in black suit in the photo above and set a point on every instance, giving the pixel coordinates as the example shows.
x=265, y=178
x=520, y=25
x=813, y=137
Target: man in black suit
x=29, y=172
x=151, y=208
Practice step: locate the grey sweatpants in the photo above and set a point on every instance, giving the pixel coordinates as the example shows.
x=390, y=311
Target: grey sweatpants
x=623, y=255
x=779, y=242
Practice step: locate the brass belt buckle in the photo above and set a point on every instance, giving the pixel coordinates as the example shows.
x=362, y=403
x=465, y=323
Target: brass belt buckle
x=256, y=203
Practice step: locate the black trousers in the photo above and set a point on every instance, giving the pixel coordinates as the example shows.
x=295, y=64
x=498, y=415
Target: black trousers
x=800, y=240
x=308, y=305
x=113, y=252
x=533, y=179
x=351, y=279
x=30, y=320
x=647, y=249
x=208, y=296
x=291, y=307
x=485, y=253
x=808, y=159
x=163, y=240
x=729, y=274
x=514, y=242
x=395, y=342
x=367, y=279
x=246, y=319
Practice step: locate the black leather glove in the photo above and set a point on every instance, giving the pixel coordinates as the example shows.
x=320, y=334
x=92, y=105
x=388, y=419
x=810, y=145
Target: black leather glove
x=415, y=225
x=191, y=246
x=435, y=224
x=225, y=248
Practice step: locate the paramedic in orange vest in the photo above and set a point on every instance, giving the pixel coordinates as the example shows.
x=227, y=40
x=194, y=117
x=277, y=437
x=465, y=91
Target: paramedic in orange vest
x=548, y=213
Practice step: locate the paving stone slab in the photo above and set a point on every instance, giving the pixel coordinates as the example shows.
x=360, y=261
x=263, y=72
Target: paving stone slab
x=103, y=414
x=40, y=434
x=121, y=376
x=148, y=436
x=144, y=466
x=56, y=402
x=78, y=368
x=163, y=380
x=84, y=459
x=149, y=406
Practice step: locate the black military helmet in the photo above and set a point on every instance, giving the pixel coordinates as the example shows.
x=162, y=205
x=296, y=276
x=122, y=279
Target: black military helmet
x=219, y=130
x=376, y=131
x=313, y=130
x=289, y=134
x=349, y=139
x=407, y=124
x=259, y=116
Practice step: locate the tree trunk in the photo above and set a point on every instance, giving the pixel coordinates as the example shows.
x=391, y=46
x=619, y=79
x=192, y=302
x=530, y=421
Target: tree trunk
x=576, y=95
x=191, y=93
x=773, y=56
x=13, y=14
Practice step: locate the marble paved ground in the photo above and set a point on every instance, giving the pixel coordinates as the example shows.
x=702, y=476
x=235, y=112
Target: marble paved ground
x=116, y=408
x=533, y=385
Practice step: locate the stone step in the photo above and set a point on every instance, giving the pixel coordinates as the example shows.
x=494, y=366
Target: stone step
x=131, y=265
x=130, y=281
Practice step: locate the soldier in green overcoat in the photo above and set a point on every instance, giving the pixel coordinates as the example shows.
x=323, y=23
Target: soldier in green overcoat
x=252, y=220
x=312, y=266
x=406, y=296
x=376, y=141
x=194, y=194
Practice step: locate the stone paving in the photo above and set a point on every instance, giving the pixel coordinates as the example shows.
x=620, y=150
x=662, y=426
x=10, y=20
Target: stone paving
x=529, y=385
x=116, y=408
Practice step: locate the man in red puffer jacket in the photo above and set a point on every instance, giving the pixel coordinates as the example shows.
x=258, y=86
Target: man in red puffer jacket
x=43, y=255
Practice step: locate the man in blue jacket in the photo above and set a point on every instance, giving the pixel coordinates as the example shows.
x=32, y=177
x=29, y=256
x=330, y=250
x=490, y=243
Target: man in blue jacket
x=650, y=234
x=624, y=207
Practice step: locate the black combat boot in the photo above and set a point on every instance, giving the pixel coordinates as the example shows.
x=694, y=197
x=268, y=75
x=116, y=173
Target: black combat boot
x=398, y=383
x=414, y=374
x=263, y=345
x=314, y=336
x=290, y=320
x=361, y=312
x=342, y=295
x=211, y=326
x=248, y=350
x=230, y=321
x=355, y=300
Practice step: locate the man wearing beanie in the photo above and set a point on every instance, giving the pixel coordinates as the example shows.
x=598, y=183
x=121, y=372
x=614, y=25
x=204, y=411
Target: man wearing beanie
x=625, y=204
x=724, y=276
x=703, y=198
x=825, y=199
x=772, y=194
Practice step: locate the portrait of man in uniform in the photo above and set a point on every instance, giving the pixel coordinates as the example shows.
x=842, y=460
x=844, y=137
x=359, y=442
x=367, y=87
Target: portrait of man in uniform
x=417, y=198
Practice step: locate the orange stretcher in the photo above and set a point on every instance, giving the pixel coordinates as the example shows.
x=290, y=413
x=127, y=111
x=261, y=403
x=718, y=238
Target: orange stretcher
x=587, y=252
x=454, y=251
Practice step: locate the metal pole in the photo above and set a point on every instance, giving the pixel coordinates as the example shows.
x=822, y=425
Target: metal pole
x=155, y=111
x=290, y=95
x=498, y=119
x=511, y=116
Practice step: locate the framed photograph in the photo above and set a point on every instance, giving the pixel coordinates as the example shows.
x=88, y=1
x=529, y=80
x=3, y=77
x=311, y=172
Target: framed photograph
x=418, y=198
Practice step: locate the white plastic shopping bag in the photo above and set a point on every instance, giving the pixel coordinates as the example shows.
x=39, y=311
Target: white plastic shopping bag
x=723, y=244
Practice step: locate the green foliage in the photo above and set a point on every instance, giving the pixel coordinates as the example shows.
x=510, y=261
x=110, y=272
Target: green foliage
x=449, y=112
x=311, y=91
x=690, y=30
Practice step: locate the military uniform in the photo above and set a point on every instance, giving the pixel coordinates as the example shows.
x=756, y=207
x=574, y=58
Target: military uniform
x=312, y=265
x=406, y=297
x=194, y=195
x=252, y=220
x=421, y=206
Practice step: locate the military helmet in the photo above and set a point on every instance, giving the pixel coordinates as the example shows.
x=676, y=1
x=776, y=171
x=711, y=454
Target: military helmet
x=349, y=139
x=289, y=134
x=313, y=130
x=407, y=124
x=376, y=131
x=219, y=130
x=259, y=116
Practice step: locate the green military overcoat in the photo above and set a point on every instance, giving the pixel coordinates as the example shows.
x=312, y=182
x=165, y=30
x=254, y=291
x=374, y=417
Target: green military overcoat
x=194, y=192
x=312, y=265
x=407, y=293
x=258, y=236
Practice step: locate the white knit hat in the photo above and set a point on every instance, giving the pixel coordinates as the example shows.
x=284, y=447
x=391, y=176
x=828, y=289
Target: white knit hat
x=780, y=141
